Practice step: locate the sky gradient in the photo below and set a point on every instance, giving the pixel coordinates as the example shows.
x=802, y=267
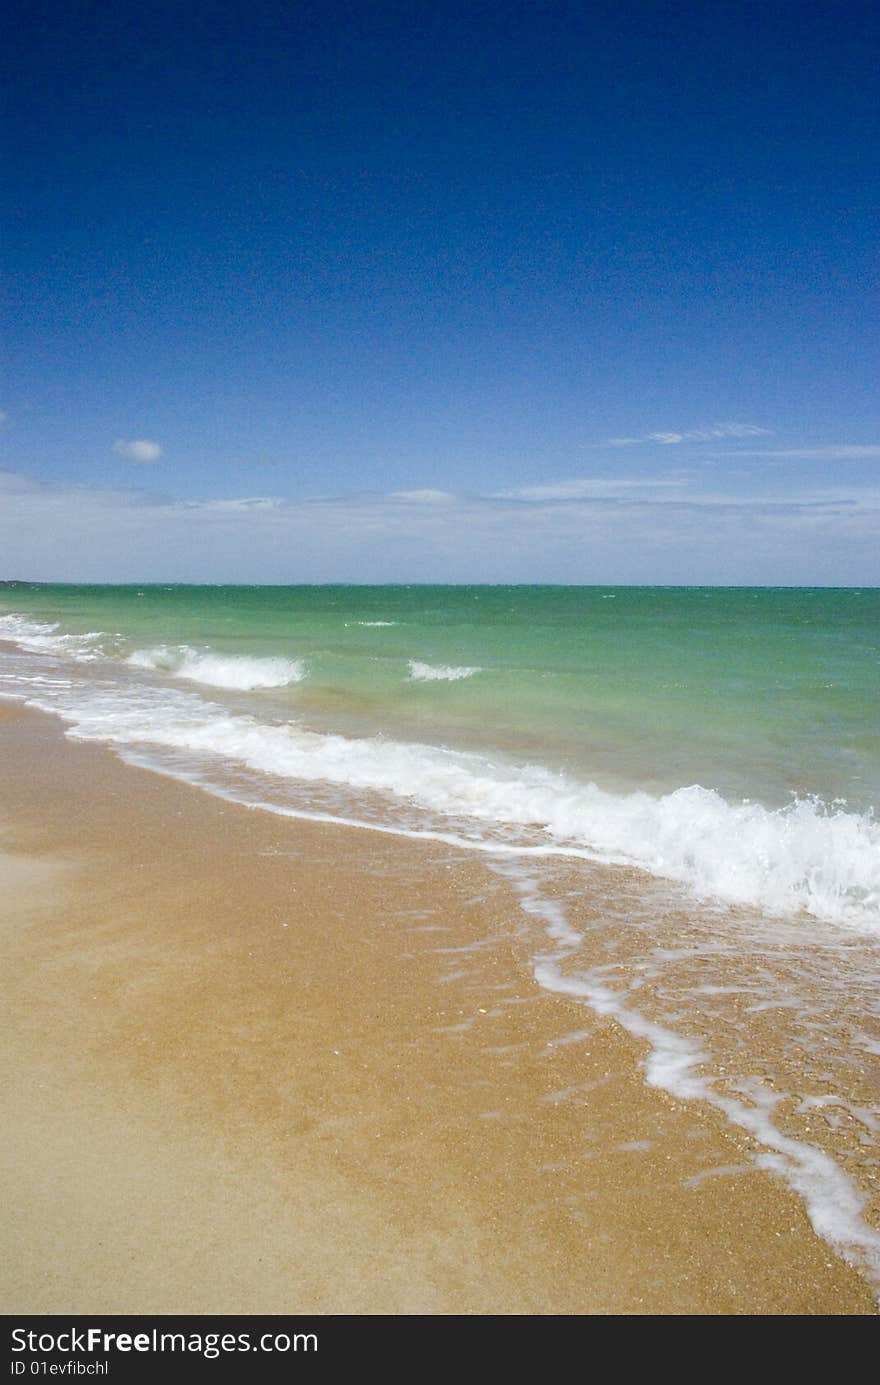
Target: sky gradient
x=540, y=292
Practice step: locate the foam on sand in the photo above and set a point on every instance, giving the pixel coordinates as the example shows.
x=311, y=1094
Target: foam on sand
x=677, y=1064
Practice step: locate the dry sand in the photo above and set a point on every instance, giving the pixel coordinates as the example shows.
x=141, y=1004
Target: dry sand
x=257, y=1065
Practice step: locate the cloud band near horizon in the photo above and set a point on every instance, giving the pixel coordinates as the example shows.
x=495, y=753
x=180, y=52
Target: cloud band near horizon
x=592, y=530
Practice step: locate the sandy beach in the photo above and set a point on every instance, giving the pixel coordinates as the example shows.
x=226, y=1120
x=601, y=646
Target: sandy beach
x=256, y=1065
x=439, y=648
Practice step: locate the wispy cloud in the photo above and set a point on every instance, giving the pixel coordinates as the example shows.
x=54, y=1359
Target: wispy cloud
x=137, y=449
x=243, y=504
x=426, y=497
x=712, y=433
x=591, y=488
x=837, y=453
x=594, y=529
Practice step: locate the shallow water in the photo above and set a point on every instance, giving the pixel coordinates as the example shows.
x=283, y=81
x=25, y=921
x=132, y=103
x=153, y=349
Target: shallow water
x=724, y=738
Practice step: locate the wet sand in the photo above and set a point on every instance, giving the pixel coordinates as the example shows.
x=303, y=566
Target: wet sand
x=260, y=1065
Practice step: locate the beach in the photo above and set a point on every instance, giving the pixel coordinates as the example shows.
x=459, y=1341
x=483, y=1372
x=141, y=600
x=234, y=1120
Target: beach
x=439, y=649
x=258, y=1064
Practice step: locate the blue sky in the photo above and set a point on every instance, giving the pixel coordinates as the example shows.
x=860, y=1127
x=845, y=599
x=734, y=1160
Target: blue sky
x=563, y=292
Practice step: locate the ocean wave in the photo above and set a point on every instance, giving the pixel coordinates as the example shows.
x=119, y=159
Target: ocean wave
x=234, y=671
x=371, y=624
x=41, y=638
x=438, y=673
x=807, y=857
x=804, y=857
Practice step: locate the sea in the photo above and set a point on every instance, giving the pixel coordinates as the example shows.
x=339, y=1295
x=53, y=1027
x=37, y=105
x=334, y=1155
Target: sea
x=679, y=784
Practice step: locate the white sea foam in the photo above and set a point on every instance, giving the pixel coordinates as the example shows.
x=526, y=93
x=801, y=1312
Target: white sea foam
x=805, y=857
x=41, y=638
x=372, y=624
x=678, y=1065
x=219, y=670
x=435, y=673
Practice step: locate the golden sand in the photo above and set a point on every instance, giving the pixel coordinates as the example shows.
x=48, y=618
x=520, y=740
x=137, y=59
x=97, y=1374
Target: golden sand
x=258, y=1065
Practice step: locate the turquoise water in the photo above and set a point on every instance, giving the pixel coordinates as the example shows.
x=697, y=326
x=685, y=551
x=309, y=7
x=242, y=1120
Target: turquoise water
x=754, y=692
x=724, y=739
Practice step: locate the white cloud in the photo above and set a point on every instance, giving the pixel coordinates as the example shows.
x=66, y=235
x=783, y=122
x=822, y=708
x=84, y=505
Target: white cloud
x=426, y=497
x=710, y=434
x=590, y=530
x=244, y=504
x=841, y=453
x=590, y=488
x=138, y=449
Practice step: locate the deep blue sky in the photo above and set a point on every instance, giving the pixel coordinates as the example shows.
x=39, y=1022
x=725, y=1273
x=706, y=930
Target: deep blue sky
x=320, y=250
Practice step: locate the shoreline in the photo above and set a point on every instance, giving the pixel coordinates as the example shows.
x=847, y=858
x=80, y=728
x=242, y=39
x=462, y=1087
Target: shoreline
x=259, y=1064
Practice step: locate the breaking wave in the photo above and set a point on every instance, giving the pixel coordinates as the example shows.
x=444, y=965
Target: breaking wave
x=219, y=670
x=438, y=673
